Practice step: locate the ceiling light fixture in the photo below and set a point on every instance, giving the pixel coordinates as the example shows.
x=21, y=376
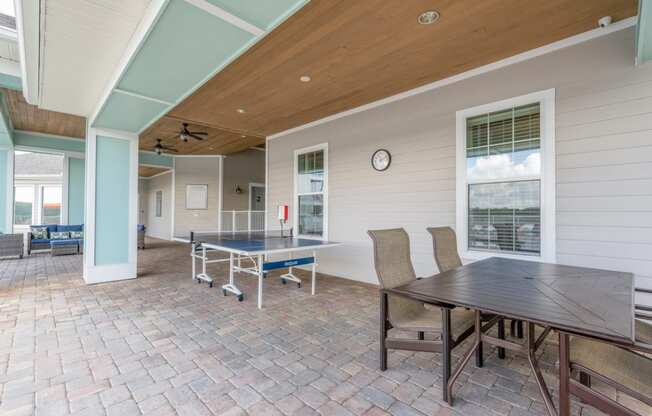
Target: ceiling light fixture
x=428, y=17
x=241, y=110
x=243, y=136
x=305, y=78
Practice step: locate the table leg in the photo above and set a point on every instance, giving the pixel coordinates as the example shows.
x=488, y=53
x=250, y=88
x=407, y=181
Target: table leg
x=446, y=353
x=564, y=374
x=260, y=281
x=192, y=256
x=314, y=272
x=383, y=331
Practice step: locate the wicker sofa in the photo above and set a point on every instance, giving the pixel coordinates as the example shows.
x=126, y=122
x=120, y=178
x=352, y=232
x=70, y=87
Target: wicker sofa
x=44, y=243
x=12, y=245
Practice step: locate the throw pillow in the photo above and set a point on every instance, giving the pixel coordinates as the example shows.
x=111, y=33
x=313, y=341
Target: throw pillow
x=77, y=234
x=59, y=235
x=40, y=233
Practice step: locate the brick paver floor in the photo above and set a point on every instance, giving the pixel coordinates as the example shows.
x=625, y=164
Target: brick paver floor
x=163, y=345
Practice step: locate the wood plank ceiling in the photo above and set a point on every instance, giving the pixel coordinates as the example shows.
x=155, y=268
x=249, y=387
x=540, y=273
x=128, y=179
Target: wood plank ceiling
x=357, y=52
x=148, y=171
x=29, y=117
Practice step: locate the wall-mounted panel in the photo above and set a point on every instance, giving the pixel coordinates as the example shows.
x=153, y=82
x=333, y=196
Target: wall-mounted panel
x=186, y=45
x=111, y=211
x=263, y=14
x=126, y=112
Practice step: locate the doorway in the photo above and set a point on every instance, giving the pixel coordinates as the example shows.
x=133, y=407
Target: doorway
x=256, y=196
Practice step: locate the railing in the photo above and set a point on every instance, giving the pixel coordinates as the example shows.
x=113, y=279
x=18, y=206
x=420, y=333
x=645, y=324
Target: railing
x=243, y=221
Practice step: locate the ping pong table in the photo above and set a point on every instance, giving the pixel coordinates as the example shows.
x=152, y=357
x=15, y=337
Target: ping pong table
x=256, y=250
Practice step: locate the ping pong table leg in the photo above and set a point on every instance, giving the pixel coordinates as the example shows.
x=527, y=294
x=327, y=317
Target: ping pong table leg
x=260, y=281
x=192, y=256
x=314, y=271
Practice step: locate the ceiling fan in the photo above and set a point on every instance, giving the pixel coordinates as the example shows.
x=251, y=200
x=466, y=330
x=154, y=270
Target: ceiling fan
x=161, y=148
x=185, y=134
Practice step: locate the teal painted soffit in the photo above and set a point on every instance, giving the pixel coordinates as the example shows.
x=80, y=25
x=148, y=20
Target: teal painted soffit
x=644, y=32
x=71, y=144
x=184, y=48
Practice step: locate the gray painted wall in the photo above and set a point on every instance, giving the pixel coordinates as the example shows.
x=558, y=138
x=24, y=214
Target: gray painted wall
x=241, y=169
x=603, y=157
x=196, y=171
x=159, y=227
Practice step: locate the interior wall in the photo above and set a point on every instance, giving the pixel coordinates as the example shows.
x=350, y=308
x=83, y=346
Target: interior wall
x=159, y=227
x=5, y=194
x=76, y=175
x=142, y=200
x=196, y=171
x=241, y=169
x=603, y=161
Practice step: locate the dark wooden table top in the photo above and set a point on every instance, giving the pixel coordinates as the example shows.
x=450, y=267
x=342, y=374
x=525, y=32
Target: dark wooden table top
x=592, y=302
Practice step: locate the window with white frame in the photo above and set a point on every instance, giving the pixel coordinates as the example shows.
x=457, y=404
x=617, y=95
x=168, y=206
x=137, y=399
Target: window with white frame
x=310, y=189
x=505, y=184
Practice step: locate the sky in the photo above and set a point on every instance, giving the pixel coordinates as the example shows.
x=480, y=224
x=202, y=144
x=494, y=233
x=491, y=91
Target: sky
x=7, y=7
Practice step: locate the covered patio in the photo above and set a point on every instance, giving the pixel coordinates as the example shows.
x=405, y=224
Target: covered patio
x=326, y=207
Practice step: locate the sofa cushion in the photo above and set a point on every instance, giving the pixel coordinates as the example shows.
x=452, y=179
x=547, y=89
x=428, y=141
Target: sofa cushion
x=77, y=234
x=63, y=242
x=41, y=241
x=60, y=235
x=70, y=227
x=50, y=227
x=39, y=233
x=141, y=227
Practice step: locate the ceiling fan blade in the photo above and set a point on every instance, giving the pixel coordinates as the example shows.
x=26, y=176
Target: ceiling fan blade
x=201, y=133
x=195, y=136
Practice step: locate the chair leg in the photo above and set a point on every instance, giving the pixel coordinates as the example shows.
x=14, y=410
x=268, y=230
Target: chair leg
x=585, y=379
x=501, y=335
x=421, y=335
x=383, y=331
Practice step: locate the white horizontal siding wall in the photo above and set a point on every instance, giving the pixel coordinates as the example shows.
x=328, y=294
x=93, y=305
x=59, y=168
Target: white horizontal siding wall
x=603, y=157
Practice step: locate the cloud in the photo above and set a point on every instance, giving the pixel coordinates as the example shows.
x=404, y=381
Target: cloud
x=502, y=167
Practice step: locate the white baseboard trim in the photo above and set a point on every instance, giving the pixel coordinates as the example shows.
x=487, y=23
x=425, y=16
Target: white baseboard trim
x=109, y=273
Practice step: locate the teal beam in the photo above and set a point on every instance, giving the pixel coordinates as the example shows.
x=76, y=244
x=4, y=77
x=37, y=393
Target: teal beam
x=71, y=144
x=6, y=130
x=11, y=82
x=644, y=32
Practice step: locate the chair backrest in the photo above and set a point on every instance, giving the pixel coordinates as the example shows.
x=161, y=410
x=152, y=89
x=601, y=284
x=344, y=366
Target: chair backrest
x=392, y=257
x=444, y=243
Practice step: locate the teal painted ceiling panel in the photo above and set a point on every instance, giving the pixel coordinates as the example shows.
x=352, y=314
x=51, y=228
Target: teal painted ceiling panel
x=185, y=47
x=644, y=33
x=146, y=158
x=10, y=81
x=126, y=112
x=261, y=13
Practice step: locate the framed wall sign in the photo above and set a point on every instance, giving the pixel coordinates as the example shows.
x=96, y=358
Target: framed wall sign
x=196, y=196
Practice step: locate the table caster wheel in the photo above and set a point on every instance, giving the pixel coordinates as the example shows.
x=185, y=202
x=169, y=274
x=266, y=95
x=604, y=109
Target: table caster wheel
x=224, y=292
x=299, y=285
x=283, y=281
x=240, y=298
x=210, y=284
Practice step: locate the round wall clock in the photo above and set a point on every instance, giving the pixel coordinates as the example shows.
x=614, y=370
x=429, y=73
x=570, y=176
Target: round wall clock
x=381, y=159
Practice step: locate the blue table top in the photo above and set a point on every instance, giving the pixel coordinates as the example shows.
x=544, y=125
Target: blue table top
x=258, y=243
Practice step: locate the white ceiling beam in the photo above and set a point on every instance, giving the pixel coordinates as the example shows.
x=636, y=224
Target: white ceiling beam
x=226, y=16
x=8, y=34
x=9, y=67
x=28, y=27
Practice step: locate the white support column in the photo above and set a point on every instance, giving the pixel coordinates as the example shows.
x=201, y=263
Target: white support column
x=111, y=214
x=7, y=188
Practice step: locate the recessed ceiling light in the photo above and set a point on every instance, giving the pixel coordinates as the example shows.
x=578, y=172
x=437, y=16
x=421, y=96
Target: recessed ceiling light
x=428, y=17
x=241, y=110
x=243, y=136
x=211, y=148
x=305, y=78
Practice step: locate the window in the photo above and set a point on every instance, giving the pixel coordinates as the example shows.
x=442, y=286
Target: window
x=505, y=186
x=24, y=205
x=159, y=204
x=311, y=184
x=51, y=197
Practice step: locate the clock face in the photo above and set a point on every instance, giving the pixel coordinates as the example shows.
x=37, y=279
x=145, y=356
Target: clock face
x=381, y=159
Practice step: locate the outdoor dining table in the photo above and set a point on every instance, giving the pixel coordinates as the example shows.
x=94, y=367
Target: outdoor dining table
x=593, y=303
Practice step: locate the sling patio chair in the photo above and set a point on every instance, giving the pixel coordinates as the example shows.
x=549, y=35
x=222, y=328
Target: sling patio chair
x=444, y=242
x=394, y=268
x=628, y=371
